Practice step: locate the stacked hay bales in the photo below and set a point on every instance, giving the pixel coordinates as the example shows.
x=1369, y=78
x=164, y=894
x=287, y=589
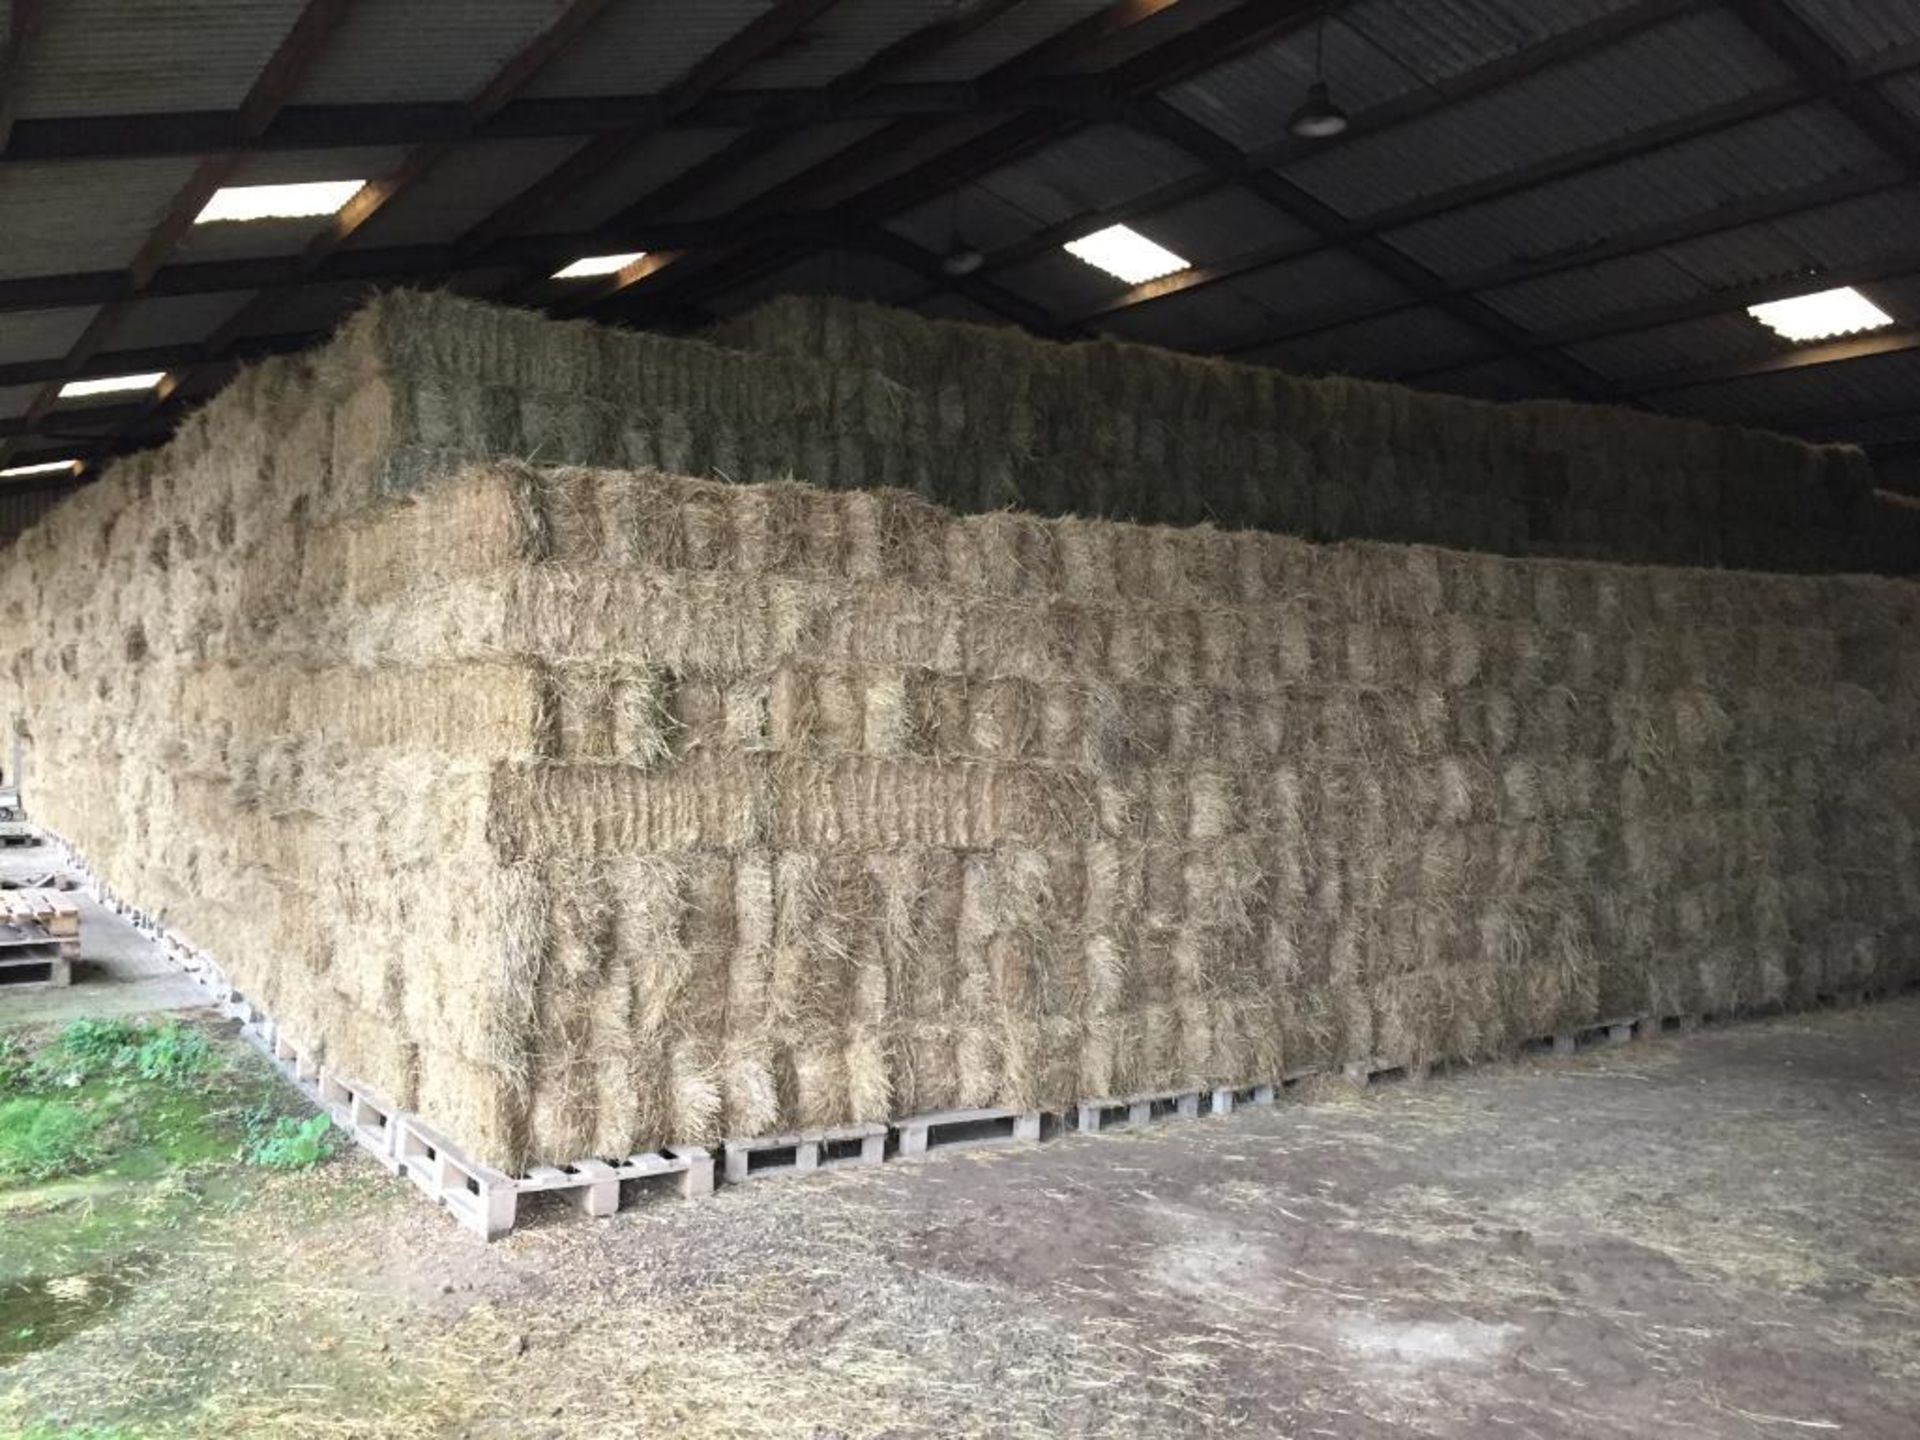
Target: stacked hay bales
x=1137, y=433
x=585, y=810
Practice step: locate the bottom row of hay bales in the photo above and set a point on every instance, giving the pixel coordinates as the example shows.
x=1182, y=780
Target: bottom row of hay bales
x=589, y=811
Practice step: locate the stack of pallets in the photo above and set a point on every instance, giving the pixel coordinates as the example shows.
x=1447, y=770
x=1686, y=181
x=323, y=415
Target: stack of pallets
x=39, y=937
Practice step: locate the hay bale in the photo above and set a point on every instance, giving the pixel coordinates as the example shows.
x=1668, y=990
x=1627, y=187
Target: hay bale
x=595, y=810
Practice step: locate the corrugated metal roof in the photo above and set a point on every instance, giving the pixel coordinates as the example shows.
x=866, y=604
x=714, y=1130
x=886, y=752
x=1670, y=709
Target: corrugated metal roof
x=993, y=44
x=395, y=51
x=1786, y=151
x=984, y=221
x=1406, y=340
x=41, y=334
x=1899, y=297
x=173, y=319
x=660, y=158
x=463, y=189
x=1222, y=225
x=1300, y=291
x=1163, y=26
x=841, y=40
x=1247, y=100
x=1851, y=233
x=124, y=57
x=639, y=47
x=805, y=150
x=1863, y=28
x=252, y=238
x=1231, y=314
x=1649, y=79
x=851, y=273
x=1676, y=349
x=83, y=215
x=1060, y=284
x=1575, y=297
x=1443, y=39
x=1903, y=92
x=312, y=307
x=1792, y=399
x=1092, y=169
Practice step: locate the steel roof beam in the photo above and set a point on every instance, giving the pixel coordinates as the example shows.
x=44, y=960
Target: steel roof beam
x=272, y=88
x=1247, y=25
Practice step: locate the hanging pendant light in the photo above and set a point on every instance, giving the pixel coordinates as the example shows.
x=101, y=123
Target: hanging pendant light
x=1317, y=117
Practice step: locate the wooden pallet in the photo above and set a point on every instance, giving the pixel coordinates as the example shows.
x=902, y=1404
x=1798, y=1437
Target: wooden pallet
x=24, y=965
x=49, y=911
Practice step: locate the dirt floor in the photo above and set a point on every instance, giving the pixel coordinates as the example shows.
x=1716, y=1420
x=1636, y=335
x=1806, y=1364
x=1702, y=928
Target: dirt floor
x=1713, y=1235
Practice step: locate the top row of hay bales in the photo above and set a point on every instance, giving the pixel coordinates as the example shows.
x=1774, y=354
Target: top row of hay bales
x=851, y=396
x=1334, y=458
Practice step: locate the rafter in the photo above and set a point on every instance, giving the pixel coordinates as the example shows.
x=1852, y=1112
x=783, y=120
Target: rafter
x=1836, y=352
x=1825, y=70
x=1296, y=202
x=271, y=89
x=400, y=125
x=1724, y=301
x=771, y=30
x=897, y=58
x=515, y=75
x=1417, y=105
x=1244, y=26
x=891, y=145
x=1746, y=110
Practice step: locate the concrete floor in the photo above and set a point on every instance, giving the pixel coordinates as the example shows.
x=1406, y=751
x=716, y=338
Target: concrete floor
x=1714, y=1235
x=118, y=972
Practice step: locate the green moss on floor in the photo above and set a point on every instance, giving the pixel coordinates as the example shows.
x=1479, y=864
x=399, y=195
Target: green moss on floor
x=111, y=1134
